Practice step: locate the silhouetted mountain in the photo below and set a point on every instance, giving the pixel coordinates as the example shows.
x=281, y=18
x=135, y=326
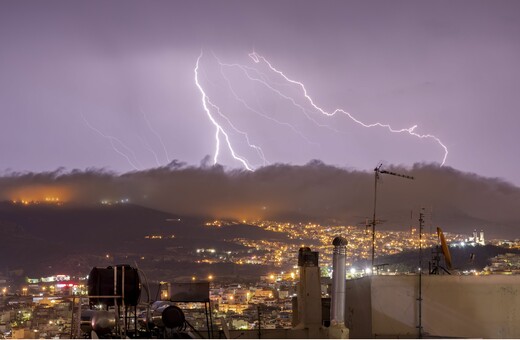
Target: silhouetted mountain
x=44, y=238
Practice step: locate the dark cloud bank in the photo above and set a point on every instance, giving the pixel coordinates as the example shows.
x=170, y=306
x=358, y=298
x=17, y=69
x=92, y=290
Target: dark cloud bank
x=459, y=201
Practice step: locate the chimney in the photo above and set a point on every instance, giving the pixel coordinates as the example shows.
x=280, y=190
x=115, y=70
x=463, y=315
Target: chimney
x=339, y=255
x=309, y=293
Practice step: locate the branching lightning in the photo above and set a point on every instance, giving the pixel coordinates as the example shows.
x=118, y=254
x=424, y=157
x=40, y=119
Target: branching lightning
x=248, y=107
x=157, y=135
x=149, y=148
x=228, y=132
x=257, y=58
x=113, y=139
x=219, y=130
x=265, y=80
x=125, y=151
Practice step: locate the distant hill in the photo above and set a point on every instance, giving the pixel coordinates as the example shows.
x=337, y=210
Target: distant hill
x=44, y=238
x=49, y=239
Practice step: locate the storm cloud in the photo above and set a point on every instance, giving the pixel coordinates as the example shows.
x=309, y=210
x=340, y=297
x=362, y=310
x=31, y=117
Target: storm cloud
x=458, y=201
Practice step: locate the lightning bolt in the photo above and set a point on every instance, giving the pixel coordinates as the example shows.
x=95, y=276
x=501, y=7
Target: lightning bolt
x=246, y=136
x=258, y=58
x=278, y=88
x=113, y=139
x=149, y=148
x=247, y=71
x=219, y=130
x=156, y=134
x=247, y=106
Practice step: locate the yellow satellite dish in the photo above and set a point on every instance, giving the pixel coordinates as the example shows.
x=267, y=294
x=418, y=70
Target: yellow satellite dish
x=445, y=249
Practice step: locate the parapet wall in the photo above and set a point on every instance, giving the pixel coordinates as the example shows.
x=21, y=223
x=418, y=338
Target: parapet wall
x=452, y=306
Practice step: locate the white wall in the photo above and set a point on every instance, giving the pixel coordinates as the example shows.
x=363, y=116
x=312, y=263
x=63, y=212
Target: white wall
x=453, y=306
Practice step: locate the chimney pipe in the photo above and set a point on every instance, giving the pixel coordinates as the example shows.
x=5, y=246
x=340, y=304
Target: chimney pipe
x=339, y=256
x=309, y=293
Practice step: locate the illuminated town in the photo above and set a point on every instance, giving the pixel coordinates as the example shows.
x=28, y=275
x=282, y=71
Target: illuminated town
x=45, y=200
x=43, y=307
x=319, y=237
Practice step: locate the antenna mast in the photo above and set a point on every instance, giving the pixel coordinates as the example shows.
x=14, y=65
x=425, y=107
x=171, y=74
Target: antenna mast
x=421, y=224
x=378, y=171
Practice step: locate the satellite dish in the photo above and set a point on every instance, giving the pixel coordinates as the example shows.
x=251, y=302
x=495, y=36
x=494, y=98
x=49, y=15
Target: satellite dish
x=445, y=249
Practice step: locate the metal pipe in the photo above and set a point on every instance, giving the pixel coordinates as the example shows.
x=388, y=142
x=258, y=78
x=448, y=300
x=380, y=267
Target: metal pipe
x=339, y=256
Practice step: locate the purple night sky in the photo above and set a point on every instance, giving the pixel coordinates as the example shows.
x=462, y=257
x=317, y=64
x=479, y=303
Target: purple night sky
x=126, y=68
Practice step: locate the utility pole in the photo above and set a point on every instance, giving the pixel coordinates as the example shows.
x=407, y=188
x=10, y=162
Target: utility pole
x=378, y=171
x=419, y=299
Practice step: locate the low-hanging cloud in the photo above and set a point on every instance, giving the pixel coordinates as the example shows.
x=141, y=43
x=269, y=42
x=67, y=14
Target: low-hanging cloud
x=316, y=191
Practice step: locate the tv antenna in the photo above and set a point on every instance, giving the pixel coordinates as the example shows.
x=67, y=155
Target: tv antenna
x=377, y=172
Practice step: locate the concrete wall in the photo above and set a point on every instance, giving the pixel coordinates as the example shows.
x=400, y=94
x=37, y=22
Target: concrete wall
x=358, y=313
x=452, y=306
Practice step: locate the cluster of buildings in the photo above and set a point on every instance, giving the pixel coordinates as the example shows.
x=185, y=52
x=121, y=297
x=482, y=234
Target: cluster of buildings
x=511, y=244
x=265, y=305
x=280, y=253
x=477, y=238
x=39, y=307
x=43, y=308
x=45, y=200
x=28, y=317
x=508, y=263
x=112, y=202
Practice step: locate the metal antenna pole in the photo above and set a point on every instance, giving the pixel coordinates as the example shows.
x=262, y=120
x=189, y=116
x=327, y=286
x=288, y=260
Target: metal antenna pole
x=421, y=224
x=378, y=171
x=376, y=177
